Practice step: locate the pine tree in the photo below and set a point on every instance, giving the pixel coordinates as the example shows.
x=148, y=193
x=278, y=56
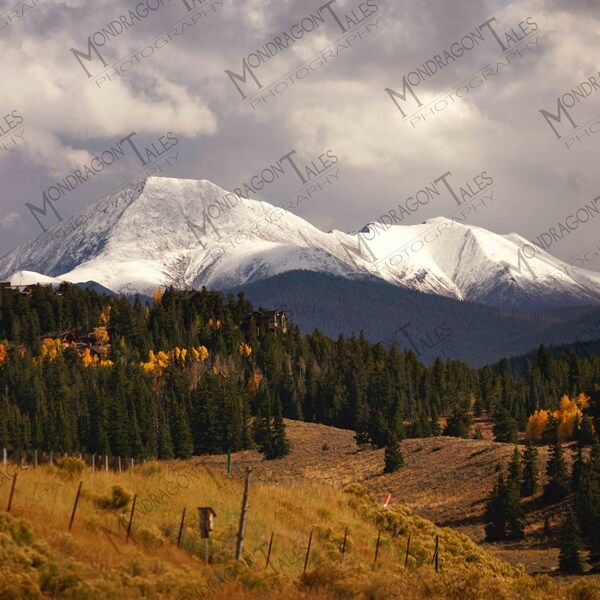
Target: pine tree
x=577, y=470
x=459, y=423
x=515, y=516
x=530, y=470
x=593, y=509
x=569, y=560
x=515, y=469
x=261, y=429
x=435, y=425
x=181, y=434
x=379, y=430
x=393, y=455
x=279, y=446
x=558, y=484
x=505, y=427
x=495, y=512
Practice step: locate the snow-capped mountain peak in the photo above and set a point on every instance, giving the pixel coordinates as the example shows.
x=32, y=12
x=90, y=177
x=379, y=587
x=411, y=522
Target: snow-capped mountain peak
x=190, y=233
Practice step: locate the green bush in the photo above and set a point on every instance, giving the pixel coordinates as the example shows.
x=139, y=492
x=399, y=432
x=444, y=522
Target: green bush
x=69, y=465
x=120, y=499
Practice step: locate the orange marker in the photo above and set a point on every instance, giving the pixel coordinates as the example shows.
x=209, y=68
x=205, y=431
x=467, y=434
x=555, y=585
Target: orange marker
x=387, y=500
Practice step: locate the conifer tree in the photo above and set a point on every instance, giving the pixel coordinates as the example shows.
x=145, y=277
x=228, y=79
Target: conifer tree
x=515, y=469
x=515, y=516
x=261, y=429
x=181, y=434
x=279, y=445
x=435, y=424
x=530, y=470
x=393, y=455
x=505, y=427
x=584, y=434
x=459, y=423
x=593, y=504
x=569, y=560
x=558, y=484
x=577, y=470
x=495, y=512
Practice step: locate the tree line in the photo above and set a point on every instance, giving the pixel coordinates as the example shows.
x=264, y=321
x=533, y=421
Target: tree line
x=574, y=494
x=175, y=376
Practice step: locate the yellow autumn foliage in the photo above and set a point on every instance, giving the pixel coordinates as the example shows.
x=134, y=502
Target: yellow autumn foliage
x=537, y=424
x=566, y=415
x=157, y=296
x=200, y=354
x=101, y=335
x=3, y=353
x=92, y=360
x=157, y=363
x=244, y=349
x=253, y=383
x=214, y=324
x=50, y=349
x=104, y=318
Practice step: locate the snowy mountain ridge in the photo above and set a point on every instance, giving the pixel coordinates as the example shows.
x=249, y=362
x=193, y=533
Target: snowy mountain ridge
x=192, y=233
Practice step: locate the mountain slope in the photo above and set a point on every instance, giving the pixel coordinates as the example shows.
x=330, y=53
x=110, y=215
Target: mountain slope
x=192, y=233
x=430, y=325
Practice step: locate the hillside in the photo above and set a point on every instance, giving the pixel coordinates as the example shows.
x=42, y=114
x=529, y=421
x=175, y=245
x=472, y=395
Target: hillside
x=445, y=479
x=40, y=558
x=335, y=305
x=95, y=561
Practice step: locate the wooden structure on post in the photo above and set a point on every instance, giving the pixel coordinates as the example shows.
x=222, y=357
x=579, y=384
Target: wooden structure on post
x=240, y=535
x=207, y=515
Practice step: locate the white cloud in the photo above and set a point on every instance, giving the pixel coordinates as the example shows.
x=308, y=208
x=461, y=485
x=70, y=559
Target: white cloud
x=9, y=220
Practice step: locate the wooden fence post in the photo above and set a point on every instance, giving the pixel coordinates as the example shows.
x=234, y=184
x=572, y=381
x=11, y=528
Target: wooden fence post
x=106, y=462
x=75, y=505
x=240, y=536
x=377, y=547
x=119, y=464
x=35, y=459
x=131, y=518
x=407, y=548
x=4, y=457
x=344, y=544
x=12, y=491
x=181, y=528
x=93, y=463
x=308, y=550
x=269, y=552
x=51, y=457
x=436, y=552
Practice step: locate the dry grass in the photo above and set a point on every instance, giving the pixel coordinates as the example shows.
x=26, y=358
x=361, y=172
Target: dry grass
x=445, y=480
x=39, y=558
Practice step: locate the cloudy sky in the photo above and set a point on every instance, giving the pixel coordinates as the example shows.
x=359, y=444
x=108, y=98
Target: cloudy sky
x=479, y=73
